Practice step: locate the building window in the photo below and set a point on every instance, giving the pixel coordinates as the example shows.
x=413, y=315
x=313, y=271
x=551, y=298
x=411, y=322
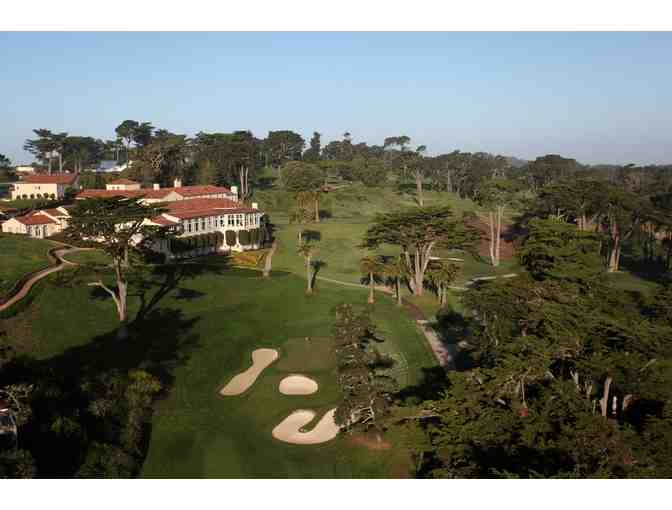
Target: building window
x=230, y=220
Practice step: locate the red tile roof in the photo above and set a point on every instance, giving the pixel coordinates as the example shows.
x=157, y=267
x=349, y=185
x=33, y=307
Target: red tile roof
x=54, y=212
x=122, y=181
x=190, y=191
x=161, y=220
x=201, y=204
x=184, y=191
x=34, y=219
x=107, y=193
x=50, y=179
x=185, y=215
x=201, y=207
x=156, y=193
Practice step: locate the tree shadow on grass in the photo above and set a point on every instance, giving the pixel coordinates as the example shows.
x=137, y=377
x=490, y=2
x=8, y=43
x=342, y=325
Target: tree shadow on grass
x=63, y=426
x=164, y=279
x=405, y=188
x=317, y=266
x=433, y=382
x=309, y=235
x=150, y=284
x=649, y=270
x=266, y=183
x=160, y=339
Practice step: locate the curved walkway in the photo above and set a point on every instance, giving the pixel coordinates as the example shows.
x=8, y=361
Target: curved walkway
x=36, y=277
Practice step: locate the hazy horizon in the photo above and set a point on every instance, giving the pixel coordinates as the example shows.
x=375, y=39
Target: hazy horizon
x=596, y=97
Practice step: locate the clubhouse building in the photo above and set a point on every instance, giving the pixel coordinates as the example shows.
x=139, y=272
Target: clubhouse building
x=50, y=187
x=202, y=219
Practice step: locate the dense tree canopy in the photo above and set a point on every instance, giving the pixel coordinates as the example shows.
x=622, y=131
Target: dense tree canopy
x=304, y=179
x=563, y=385
x=555, y=249
x=5, y=162
x=282, y=146
x=417, y=233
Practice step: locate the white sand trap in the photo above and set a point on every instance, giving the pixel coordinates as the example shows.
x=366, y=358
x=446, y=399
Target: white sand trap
x=297, y=385
x=289, y=429
x=261, y=359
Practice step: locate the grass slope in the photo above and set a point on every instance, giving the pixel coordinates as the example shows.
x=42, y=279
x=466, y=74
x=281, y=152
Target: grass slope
x=20, y=255
x=200, y=333
x=347, y=214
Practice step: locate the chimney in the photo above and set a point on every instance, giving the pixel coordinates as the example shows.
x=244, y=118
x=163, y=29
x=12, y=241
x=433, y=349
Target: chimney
x=234, y=190
x=156, y=185
x=177, y=182
x=255, y=205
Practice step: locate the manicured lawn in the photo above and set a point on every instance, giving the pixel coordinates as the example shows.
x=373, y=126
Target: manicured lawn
x=349, y=212
x=337, y=247
x=429, y=304
x=96, y=257
x=89, y=257
x=473, y=267
x=199, y=334
x=20, y=255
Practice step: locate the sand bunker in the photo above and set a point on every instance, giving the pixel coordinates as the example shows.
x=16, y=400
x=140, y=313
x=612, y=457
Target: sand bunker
x=289, y=429
x=297, y=385
x=261, y=359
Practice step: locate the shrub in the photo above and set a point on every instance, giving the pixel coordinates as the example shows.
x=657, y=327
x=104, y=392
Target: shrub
x=254, y=236
x=107, y=461
x=245, y=237
x=230, y=237
x=179, y=245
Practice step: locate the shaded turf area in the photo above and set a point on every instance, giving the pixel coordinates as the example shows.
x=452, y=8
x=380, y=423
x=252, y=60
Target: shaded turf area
x=196, y=326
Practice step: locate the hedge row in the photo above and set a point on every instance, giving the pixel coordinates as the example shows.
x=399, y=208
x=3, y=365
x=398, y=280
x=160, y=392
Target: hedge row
x=185, y=244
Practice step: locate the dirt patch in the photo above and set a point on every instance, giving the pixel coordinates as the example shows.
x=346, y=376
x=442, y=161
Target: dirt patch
x=400, y=469
x=369, y=441
x=507, y=248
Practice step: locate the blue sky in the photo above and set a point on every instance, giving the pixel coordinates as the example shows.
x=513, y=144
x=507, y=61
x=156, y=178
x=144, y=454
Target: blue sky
x=597, y=97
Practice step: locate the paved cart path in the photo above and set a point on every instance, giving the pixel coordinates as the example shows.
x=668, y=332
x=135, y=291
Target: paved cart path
x=444, y=353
